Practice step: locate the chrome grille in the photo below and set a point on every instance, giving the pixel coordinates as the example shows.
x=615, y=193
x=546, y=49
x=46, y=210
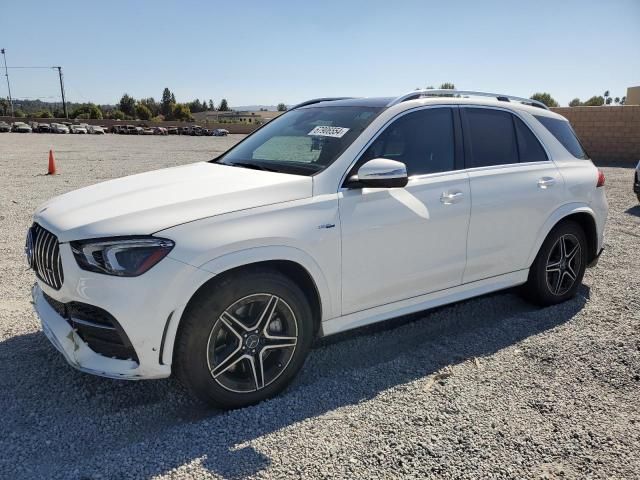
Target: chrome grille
x=43, y=254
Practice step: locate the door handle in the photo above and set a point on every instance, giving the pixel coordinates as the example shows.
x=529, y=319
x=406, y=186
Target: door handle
x=546, y=182
x=449, y=198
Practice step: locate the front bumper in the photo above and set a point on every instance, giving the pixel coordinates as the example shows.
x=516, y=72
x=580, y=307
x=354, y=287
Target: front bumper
x=147, y=310
x=74, y=349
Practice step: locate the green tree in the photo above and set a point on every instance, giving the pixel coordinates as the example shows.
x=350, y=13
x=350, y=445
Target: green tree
x=616, y=100
x=223, y=107
x=4, y=106
x=143, y=112
x=212, y=107
x=595, y=101
x=128, y=105
x=117, y=115
x=87, y=110
x=623, y=100
x=151, y=104
x=166, y=104
x=44, y=114
x=18, y=113
x=282, y=107
x=575, y=102
x=607, y=98
x=181, y=112
x=545, y=98
x=196, y=107
x=447, y=86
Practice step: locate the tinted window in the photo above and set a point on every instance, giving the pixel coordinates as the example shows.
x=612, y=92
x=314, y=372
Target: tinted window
x=561, y=129
x=492, y=137
x=422, y=140
x=528, y=145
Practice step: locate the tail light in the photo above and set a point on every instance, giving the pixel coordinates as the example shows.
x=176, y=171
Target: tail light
x=600, y=178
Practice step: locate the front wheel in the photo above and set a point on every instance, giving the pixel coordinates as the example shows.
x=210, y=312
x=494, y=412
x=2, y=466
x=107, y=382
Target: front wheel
x=244, y=339
x=557, y=271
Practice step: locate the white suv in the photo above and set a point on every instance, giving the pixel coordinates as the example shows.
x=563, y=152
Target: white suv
x=337, y=214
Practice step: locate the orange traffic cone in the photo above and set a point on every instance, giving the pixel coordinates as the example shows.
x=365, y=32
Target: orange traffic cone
x=52, y=163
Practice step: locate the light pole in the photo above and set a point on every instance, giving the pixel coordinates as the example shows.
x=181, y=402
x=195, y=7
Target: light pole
x=64, y=101
x=6, y=74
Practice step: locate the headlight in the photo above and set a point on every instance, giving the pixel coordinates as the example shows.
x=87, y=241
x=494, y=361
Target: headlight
x=124, y=257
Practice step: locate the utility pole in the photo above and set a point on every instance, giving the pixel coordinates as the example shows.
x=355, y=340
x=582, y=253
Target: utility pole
x=6, y=74
x=64, y=102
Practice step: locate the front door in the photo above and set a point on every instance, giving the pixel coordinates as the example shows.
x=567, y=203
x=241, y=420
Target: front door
x=399, y=243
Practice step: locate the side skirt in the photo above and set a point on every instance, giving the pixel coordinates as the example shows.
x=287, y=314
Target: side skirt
x=423, y=302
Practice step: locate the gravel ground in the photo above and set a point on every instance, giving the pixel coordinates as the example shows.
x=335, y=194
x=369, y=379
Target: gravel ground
x=488, y=388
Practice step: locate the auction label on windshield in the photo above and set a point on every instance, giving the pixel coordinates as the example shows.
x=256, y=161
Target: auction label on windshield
x=325, y=131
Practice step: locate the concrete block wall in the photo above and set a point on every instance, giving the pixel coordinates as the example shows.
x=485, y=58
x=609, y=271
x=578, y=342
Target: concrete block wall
x=609, y=133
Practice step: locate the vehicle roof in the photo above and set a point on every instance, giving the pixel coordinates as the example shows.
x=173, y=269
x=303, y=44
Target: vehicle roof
x=354, y=102
x=383, y=102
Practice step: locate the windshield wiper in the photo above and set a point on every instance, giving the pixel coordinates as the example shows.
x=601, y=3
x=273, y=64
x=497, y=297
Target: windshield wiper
x=254, y=166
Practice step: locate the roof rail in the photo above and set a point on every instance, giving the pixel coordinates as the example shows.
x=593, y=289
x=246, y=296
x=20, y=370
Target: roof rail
x=463, y=93
x=318, y=100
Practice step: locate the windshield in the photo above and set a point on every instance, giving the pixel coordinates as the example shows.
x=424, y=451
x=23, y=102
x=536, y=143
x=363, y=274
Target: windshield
x=302, y=141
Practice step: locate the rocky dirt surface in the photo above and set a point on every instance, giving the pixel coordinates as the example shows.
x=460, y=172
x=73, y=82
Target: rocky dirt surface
x=488, y=388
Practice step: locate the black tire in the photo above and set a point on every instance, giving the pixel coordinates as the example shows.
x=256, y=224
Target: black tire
x=206, y=340
x=553, y=280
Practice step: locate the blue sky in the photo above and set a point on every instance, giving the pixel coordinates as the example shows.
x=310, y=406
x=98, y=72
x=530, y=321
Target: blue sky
x=258, y=52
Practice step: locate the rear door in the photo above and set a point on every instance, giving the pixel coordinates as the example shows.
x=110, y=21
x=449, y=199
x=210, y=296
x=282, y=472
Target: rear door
x=514, y=189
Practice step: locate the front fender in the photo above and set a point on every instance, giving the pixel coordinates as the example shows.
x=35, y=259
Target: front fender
x=250, y=256
x=562, y=212
x=277, y=252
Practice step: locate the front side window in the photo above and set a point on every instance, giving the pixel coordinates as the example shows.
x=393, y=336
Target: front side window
x=492, y=137
x=302, y=141
x=561, y=129
x=422, y=140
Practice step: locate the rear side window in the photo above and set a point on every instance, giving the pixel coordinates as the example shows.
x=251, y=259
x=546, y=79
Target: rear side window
x=492, y=137
x=528, y=145
x=561, y=129
x=422, y=140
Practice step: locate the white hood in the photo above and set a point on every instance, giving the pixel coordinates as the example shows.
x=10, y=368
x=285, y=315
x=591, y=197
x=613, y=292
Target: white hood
x=152, y=201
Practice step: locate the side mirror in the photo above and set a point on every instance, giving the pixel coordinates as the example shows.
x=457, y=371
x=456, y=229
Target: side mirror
x=380, y=173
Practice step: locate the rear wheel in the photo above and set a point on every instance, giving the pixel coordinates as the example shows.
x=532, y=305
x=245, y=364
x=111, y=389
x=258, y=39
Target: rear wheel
x=244, y=339
x=557, y=271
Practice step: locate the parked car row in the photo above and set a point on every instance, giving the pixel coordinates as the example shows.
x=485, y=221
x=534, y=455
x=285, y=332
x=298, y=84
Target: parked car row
x=83, y=128
x=194, y=130
x=18, y=127
x=138, y=130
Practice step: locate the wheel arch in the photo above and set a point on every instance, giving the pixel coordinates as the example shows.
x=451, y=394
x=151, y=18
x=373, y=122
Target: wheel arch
x=579, y=213
x=308, y=276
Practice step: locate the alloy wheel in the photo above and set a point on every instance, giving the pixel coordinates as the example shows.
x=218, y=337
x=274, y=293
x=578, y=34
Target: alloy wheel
x=563, y=264
x=252, y=343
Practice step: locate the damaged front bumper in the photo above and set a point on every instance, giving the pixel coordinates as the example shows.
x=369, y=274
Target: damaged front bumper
x=74, y=349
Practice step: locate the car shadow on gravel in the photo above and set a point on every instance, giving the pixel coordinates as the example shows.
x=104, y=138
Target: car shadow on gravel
x=635, y=210
x=50, y=410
